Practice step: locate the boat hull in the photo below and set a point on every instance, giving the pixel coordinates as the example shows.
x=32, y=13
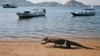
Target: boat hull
x=29, y=15
x=82, y=14
x=10, y=6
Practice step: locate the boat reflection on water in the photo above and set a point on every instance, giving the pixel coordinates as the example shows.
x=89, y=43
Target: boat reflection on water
x=31, y=23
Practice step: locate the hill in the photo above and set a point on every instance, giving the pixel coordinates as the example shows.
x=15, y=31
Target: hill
x=52, y=4
x=17, y=2
x=73, y=3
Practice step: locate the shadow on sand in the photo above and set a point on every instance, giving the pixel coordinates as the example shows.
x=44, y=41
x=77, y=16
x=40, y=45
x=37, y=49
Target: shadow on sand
x=61, y=47
x=73, y=48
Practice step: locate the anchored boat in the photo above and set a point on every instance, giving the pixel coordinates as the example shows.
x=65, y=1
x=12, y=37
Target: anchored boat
x=85, y=12
x=28, y=14
x=9, y=6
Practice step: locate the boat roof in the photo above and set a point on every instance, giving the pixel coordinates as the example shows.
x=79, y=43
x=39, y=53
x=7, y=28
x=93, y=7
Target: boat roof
x=89, y=9
x=38, y=9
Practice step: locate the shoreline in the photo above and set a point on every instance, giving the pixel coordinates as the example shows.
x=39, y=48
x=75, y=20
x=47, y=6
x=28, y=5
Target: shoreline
x=35, y=48
x=39, y=38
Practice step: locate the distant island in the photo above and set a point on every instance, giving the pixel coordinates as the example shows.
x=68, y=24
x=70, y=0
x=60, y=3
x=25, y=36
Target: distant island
x=17, y=2
x=71, y=3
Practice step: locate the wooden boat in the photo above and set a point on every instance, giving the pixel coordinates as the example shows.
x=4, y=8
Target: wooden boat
x=28, y=14
x=9, y=6
x=85, y=12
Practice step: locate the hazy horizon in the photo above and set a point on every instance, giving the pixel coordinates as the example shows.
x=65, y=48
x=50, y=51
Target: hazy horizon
x=87, y=2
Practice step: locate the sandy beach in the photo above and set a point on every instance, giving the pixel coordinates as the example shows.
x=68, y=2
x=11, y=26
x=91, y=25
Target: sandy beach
x=35, y=48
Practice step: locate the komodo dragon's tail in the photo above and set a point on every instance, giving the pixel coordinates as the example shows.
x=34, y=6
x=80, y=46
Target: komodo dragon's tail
x=69, y=43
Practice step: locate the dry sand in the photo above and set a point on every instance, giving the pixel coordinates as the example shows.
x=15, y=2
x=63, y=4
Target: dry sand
x=34, y=48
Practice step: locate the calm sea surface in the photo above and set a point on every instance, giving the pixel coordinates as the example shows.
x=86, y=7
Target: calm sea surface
x=58, y=21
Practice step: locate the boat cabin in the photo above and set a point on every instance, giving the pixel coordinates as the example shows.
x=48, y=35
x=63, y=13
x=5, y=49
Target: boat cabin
x=26, y=11
x=89, y=11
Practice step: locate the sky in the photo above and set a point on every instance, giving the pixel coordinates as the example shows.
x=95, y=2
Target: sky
x=87, y=2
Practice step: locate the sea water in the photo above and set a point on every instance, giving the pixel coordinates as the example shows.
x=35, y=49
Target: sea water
x=57, y=21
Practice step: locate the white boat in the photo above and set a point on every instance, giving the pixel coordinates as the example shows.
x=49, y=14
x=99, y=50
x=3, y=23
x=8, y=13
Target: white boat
x=85, y=12
x=28, y=14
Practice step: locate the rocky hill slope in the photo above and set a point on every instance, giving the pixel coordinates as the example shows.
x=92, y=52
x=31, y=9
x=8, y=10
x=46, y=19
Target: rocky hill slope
x=71, y=3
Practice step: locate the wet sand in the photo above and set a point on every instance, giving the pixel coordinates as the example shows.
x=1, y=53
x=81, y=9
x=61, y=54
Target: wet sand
x=35, y=48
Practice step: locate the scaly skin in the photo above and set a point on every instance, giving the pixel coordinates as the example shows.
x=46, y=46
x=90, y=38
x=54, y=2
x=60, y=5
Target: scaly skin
x=63, y=41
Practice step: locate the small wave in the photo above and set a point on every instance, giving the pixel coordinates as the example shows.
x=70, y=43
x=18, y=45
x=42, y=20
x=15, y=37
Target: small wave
x=95, y=22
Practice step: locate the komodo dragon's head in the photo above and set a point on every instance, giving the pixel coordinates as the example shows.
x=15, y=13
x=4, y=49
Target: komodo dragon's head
x=45, y=39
